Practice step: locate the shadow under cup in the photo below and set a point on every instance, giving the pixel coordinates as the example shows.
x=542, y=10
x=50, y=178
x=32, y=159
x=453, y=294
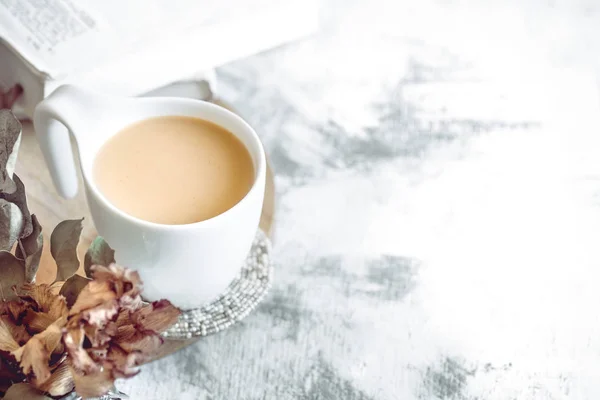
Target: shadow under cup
x=188, y=264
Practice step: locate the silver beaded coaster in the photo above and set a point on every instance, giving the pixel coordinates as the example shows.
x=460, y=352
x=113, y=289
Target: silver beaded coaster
x=241, y=297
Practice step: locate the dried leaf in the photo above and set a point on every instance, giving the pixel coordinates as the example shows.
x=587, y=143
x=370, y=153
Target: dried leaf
x=156, y=317
x=20, y=391
x=12, y=275
x=99, y=253
x=63, y=246
x=19, y=199
x=7, y=341
x=92, y=295
x=10, y=138
x=11, y=224
x=29, y=250
x=34, y=358
x=60, y=382
x=73, y=287
x=93, y=385
x=47, y=301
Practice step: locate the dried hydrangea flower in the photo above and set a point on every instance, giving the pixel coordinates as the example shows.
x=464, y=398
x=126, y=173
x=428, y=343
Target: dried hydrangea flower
x=105, y=335
x=111, y=331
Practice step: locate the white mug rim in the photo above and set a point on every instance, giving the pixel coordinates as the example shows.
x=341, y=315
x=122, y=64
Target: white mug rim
x=259, y=168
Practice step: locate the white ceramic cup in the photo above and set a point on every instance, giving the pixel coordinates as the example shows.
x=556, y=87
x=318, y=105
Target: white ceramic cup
x=187, y=264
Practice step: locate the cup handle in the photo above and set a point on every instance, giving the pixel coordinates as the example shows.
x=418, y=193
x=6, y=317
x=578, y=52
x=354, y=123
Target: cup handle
x=64, y=111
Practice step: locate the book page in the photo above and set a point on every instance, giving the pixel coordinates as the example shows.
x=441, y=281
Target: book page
x=58, y=37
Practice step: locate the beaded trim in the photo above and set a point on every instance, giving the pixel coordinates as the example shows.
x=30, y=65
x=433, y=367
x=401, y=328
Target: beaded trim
x=238, y=300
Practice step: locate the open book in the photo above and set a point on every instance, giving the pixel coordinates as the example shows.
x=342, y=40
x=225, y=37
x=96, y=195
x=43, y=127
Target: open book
x=131, y=47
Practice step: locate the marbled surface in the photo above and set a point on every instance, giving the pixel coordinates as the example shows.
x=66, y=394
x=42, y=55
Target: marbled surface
x=438, y=211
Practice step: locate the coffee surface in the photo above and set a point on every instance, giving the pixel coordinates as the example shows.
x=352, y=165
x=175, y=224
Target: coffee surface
x=174, y=170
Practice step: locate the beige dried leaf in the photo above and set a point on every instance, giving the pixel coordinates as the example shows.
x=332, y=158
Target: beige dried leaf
x=22, y=391
x=63, y=246
x=73, y=287
x=93, y=385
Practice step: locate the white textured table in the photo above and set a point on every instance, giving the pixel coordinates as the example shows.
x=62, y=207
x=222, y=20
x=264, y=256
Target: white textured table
x=439, y=210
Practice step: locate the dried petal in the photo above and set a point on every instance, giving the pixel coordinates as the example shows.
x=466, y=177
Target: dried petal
x=14, y=309
x=52, y=336
x=147, y=344
x=99, y=253
x=73, y=340
x=126, y=333
x=29, y=250
x=47, y=301
x=100, y=315
x=93, y=385
x=63, y=246
x=157, y=317
x=37, y=321
x=12, y=275
x=124, y=318
x=20, y=391
x=34, y=358
x=122, y=363
x=60, y=382
x=128, y=282
x=129, y=303
x=98, y=353
x=97, y=336
x=92, y=295
x=18, y=332
x=73, y=287
x=7, y=342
